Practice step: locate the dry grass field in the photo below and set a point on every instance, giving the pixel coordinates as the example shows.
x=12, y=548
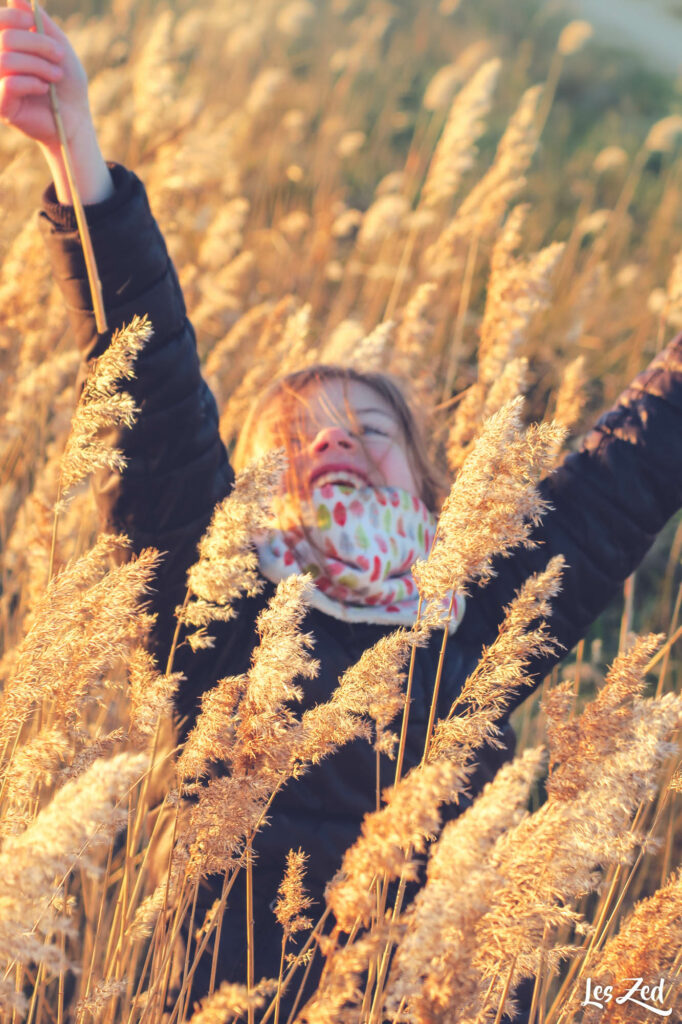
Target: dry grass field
x=478, y=198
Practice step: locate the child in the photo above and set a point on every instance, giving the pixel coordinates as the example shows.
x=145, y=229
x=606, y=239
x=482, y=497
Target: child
x=354, y=446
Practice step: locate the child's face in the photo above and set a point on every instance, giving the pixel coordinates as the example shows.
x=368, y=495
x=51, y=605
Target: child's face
x=322, y=436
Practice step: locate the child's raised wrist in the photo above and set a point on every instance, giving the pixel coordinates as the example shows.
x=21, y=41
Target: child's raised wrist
x=91, y=174
x=63, y=217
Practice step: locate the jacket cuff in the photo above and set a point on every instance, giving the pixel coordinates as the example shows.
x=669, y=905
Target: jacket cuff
x=64, y=217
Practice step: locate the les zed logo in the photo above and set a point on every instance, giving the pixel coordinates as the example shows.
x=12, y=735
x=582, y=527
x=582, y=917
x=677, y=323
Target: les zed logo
x=599, y=995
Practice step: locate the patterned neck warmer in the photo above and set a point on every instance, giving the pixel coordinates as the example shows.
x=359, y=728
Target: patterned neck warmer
x=365, y=541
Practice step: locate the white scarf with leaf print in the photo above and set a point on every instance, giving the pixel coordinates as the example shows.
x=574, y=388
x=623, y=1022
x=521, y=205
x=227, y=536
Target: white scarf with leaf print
x=364, y=542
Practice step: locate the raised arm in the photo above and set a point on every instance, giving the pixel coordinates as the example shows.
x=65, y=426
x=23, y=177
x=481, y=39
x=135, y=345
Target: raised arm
x=177, y=465
x=610, y=499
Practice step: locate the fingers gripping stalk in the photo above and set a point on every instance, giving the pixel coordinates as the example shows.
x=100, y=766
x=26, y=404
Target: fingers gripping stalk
x=90, y=262
x=34, y=56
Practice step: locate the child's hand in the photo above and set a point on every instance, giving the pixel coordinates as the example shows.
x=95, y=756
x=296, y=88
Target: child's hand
x=29, y=62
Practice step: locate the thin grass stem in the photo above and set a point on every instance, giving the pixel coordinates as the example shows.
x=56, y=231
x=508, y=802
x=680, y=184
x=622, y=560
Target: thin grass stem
x=505, y=993
x=250, y=981
x=462, y=309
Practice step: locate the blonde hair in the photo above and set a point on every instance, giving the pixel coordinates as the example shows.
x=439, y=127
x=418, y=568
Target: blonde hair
x=287, y=392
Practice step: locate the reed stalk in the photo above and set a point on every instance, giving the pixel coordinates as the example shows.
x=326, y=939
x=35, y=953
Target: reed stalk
x=505, y=992
x=250, y=980
x=462, y=309
x=295, y=965
x=400, y=757
x=436, y=686
x=84, y=231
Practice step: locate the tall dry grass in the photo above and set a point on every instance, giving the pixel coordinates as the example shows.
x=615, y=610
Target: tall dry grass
x=395, y=187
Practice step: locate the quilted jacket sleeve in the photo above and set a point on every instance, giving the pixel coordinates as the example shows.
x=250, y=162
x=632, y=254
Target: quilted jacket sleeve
x=177, y=466
x=610, y=499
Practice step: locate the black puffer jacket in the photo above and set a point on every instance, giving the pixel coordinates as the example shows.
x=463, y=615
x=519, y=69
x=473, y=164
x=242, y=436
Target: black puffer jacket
x=609, y=500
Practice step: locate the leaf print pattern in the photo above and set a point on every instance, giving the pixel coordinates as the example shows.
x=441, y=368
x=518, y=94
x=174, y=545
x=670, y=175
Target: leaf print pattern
x=364, y=542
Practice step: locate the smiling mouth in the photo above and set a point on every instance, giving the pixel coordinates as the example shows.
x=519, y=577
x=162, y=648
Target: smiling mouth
x=345, y=477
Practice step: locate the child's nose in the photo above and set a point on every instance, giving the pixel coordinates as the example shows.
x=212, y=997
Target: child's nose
x=331, y=438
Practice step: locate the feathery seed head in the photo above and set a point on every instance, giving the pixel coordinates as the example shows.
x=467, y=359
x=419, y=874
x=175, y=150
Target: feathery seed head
x=228, y=564
x=456, y=150
x=232, y=1000
x=609, y=158
x=87, y=621
x=436, y=977
x=501, y=671
x=82, y=814
x=410, y=817
x=151, y=694
x=493, y=503
x=442, y=87
x=571, y=396
x=573, y=37
x=292, y=901
x=103, y=407
x=663, y=135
